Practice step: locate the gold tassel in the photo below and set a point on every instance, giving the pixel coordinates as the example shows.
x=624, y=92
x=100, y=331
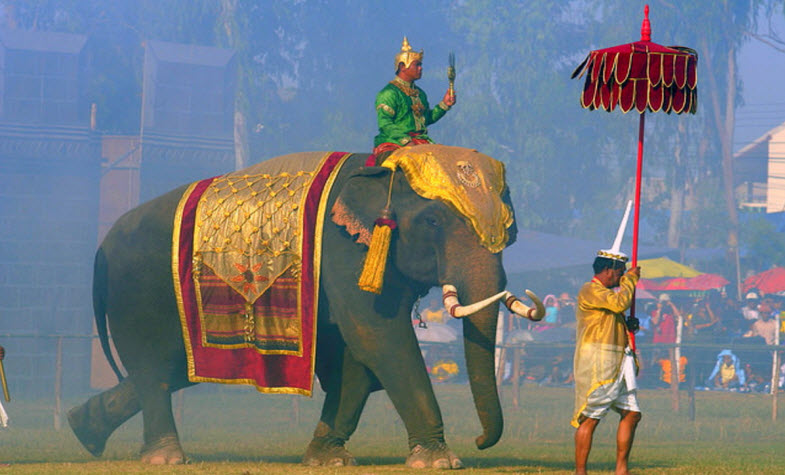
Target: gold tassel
x=372, y=276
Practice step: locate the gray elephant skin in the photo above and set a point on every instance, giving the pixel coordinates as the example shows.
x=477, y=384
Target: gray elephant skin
x=365, y=341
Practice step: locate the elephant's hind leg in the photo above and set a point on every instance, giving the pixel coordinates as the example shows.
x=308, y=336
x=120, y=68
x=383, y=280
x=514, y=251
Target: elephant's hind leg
x=347, y=393
x=335, y=368
x=95, y=420
x=327, y=451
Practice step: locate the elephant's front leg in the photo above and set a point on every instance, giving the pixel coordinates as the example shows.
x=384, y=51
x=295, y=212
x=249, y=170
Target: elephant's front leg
x=389, y=349
x=161, y=443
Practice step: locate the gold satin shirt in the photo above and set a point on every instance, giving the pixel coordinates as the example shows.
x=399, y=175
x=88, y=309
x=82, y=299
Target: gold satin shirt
x=601, y=336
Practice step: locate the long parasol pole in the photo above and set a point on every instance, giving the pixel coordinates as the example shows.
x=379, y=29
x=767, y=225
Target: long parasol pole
x=638, y=175
x=636, y=216
x=645, y=36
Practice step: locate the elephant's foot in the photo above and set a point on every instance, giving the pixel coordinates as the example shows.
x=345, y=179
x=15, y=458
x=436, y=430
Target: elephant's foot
x=91, y=431
x=95, y=420
x=433, y=455
x=165, y=451
x=327, y=452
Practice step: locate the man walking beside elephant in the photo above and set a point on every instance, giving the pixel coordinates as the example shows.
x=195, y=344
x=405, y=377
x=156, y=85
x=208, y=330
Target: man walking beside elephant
x=402, y=109
x=604, y=364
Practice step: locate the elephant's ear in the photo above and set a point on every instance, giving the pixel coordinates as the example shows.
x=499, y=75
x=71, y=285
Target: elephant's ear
x=512, y=231
x=360, y=201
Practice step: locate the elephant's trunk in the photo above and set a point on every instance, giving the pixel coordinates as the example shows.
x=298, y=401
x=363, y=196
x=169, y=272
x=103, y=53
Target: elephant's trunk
x=479, y=333
x=479, y=330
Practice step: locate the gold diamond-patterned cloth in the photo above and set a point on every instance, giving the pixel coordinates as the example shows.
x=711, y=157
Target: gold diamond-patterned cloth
x=247, y=223
x=469, y=182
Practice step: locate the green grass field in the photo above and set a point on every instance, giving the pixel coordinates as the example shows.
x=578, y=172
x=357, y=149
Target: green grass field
x=229, y=429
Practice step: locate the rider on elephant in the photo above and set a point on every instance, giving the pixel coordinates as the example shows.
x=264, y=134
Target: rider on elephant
x=402, y=108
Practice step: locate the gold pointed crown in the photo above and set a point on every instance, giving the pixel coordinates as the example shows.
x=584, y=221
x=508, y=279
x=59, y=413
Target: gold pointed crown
x=406, y=55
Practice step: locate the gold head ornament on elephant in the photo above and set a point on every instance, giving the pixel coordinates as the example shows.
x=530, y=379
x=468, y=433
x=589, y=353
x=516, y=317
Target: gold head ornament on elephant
x=306, y=229
x=472, y=185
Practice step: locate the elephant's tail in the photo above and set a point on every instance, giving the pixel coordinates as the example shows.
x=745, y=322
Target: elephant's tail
x=100, y=280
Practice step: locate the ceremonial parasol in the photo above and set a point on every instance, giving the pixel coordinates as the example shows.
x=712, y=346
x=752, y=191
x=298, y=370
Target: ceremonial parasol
x=641, y=76
x=768, y=282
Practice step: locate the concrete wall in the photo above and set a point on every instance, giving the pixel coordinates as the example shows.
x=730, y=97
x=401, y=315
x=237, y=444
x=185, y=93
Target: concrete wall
x=48, y=227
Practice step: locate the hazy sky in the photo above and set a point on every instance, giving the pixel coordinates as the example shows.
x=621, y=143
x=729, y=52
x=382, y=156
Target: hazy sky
x=762, y=69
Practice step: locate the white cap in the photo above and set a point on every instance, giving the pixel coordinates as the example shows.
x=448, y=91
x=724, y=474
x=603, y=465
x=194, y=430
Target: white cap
x=751, y=295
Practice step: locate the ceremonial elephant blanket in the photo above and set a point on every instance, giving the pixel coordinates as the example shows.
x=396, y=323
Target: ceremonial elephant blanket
x=245, y=262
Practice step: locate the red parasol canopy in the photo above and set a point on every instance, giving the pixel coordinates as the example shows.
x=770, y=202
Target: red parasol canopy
x=768, y=282
x=641, y=75
x=644, y=76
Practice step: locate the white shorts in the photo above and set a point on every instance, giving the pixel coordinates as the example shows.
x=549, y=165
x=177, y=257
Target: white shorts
x=621, y=395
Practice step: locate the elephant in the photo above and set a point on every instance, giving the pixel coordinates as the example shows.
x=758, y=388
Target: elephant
x=365, y=340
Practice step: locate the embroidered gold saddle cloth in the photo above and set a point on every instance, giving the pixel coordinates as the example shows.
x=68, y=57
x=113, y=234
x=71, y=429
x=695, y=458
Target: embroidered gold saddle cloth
x=245, y=261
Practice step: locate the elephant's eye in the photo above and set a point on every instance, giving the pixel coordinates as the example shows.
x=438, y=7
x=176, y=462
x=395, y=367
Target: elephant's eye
x=433, y=221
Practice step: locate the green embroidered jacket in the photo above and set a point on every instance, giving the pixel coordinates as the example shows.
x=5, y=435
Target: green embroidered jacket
x=402, y=108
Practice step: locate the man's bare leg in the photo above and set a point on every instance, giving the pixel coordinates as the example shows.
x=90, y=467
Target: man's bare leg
x=583, y=438
x=625, y=435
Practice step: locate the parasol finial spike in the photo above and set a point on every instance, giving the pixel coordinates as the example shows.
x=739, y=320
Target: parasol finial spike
x=646, y=26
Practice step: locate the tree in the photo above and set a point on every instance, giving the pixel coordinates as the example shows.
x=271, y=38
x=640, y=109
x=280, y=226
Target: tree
x=518, y=103
x=764, y=243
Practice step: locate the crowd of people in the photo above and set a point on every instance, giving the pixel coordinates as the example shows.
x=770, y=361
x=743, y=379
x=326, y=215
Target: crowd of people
x=713, y=319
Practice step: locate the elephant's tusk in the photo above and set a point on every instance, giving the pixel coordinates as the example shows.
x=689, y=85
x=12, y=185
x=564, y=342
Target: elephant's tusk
x=456, y=310
x=517, y=307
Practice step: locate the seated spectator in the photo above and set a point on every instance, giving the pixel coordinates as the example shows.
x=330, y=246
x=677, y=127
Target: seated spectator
x=778, y=311
x=705, y=324
x=663, y=320
x=444, y=370
x=754, y=381
x=643, y=335
x=663, y=323
x=435, y=312
x=566, y=310
x=551, y=310
x=765, y=328
x=560, y=372
x=728, y=372
x=667, y=370
x=750, y=308
x=732, y=318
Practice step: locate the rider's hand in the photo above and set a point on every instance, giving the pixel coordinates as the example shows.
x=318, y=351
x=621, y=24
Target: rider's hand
x=449, y=99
